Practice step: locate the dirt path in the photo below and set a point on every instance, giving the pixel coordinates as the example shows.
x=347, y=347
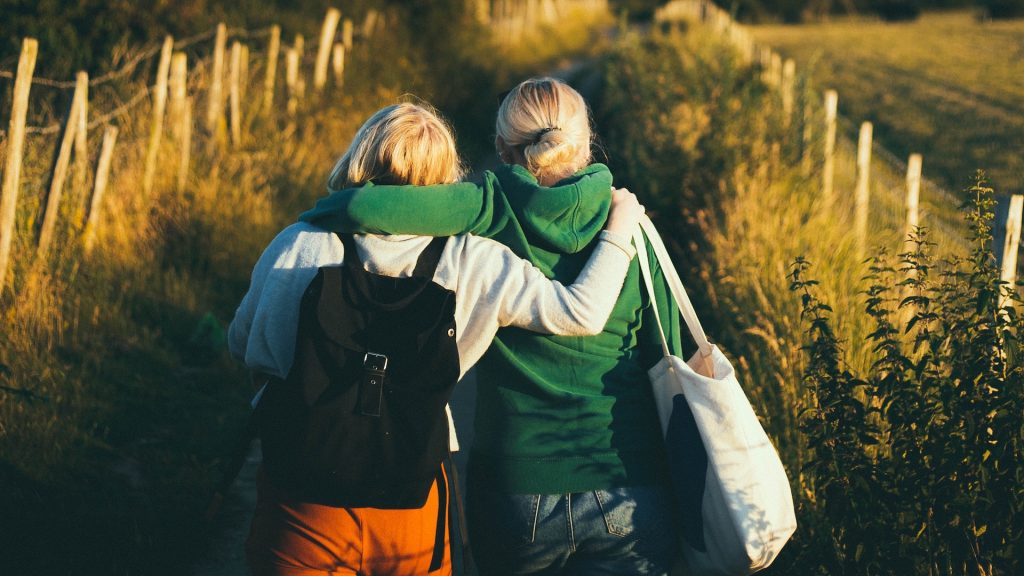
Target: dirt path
x=225, y=555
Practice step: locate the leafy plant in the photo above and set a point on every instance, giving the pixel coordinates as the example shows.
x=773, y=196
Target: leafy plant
x=944, y=488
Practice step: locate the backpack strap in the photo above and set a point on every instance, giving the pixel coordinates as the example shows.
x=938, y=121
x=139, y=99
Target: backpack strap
x=351, y=255
x=427, y=263
x=460, y=509
x=437, y=558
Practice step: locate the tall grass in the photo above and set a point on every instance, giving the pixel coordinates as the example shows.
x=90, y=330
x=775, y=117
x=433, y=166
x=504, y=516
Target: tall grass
x=118, y=402
x=695, y=132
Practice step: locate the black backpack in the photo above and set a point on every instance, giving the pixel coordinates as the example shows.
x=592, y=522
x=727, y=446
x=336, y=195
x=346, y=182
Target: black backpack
x=360, y=420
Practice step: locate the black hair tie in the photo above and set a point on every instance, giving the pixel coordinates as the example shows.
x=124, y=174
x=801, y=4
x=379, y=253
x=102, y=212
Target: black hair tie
x=536, y=139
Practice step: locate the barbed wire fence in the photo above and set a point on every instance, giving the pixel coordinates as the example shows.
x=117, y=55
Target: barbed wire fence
x=38, y=157
x=510, y=20
x=171, y=102
x=819, y=130
x=898, y=200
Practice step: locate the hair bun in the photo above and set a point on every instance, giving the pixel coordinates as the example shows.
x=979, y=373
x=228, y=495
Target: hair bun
x=551, y=147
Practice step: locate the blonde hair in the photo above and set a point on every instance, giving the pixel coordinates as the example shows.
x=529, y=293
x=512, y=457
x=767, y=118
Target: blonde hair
x=550, y=121
x=402, y=144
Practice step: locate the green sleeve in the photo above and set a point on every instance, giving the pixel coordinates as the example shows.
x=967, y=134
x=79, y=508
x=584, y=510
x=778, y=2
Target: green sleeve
x=437, y=210
x=650, y=340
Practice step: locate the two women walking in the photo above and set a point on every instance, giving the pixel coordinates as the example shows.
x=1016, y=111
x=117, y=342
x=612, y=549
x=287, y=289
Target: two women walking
x=567, y=473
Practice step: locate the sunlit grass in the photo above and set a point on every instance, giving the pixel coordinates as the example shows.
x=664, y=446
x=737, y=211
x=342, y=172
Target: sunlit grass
x=947, y=85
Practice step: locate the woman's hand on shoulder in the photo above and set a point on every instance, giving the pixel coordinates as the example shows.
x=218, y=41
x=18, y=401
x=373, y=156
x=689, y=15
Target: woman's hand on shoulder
x=625, y=213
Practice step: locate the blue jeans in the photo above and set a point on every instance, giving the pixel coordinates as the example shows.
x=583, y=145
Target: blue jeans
x=614, y=532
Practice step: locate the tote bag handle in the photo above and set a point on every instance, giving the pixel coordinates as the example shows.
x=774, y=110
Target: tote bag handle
x=674, y=283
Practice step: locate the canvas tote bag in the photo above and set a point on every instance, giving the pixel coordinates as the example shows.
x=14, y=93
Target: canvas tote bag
x=735, y=499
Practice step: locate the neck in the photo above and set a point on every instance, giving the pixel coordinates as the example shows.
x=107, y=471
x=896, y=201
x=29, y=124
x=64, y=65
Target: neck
x=552, y=178
x=545, y=180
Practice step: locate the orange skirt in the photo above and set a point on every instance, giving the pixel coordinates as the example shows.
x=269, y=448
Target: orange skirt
x=292, y=538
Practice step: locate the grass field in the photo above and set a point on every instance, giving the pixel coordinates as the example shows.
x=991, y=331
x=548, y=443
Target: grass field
x=947, y=86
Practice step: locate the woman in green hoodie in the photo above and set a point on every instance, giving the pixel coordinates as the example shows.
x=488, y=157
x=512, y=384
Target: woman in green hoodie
x=567, y=473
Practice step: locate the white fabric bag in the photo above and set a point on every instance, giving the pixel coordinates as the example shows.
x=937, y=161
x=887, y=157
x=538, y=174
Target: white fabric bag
x=739, y=514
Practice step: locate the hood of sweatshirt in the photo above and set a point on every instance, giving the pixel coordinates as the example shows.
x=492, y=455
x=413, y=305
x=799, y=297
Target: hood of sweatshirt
x=564, y=218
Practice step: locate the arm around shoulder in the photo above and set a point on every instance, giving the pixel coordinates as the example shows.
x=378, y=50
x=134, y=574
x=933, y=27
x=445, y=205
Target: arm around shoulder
x=522, y=296
x=437, y=210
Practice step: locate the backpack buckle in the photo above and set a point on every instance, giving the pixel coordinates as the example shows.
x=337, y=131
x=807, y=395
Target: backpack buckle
x=376, y=362
x=371, y=387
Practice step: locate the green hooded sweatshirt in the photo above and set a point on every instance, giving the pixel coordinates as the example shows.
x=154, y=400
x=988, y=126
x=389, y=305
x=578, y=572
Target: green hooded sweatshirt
x=555, y=414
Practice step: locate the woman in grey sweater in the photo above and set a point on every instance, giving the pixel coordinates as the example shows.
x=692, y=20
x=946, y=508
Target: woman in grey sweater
x=493, y=287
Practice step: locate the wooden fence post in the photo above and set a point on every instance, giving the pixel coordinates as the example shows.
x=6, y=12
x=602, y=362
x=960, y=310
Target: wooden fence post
x=828, y=172
x=550, y=10
x=243, y=71
x=82, y=140
x=913, y=192
x=235, y=96
x=60, y=170
x=513, y=21
x=863, y=184
x=179, y=91
x=100, y=186
x=774, y=159
x=370, y=23
x=518, y=22
x=186, y=145
x=510, y=21
x=1011, y=245
x=338, y=62
x=273, y=51
x=215, y=106
x=291, y=79
x=323, y=52
x=346, y=33
x=788, y=81
x=765, y=60
x=776, y=70
x=483, y=11
x=159, y=106
x=15, y=148
x=806, y=162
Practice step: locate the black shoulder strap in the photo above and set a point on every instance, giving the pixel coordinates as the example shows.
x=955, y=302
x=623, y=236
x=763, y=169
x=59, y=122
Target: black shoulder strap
x=351, y=255
x=429, y=258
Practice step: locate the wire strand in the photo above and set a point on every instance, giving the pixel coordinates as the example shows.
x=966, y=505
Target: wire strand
x=147, y=54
